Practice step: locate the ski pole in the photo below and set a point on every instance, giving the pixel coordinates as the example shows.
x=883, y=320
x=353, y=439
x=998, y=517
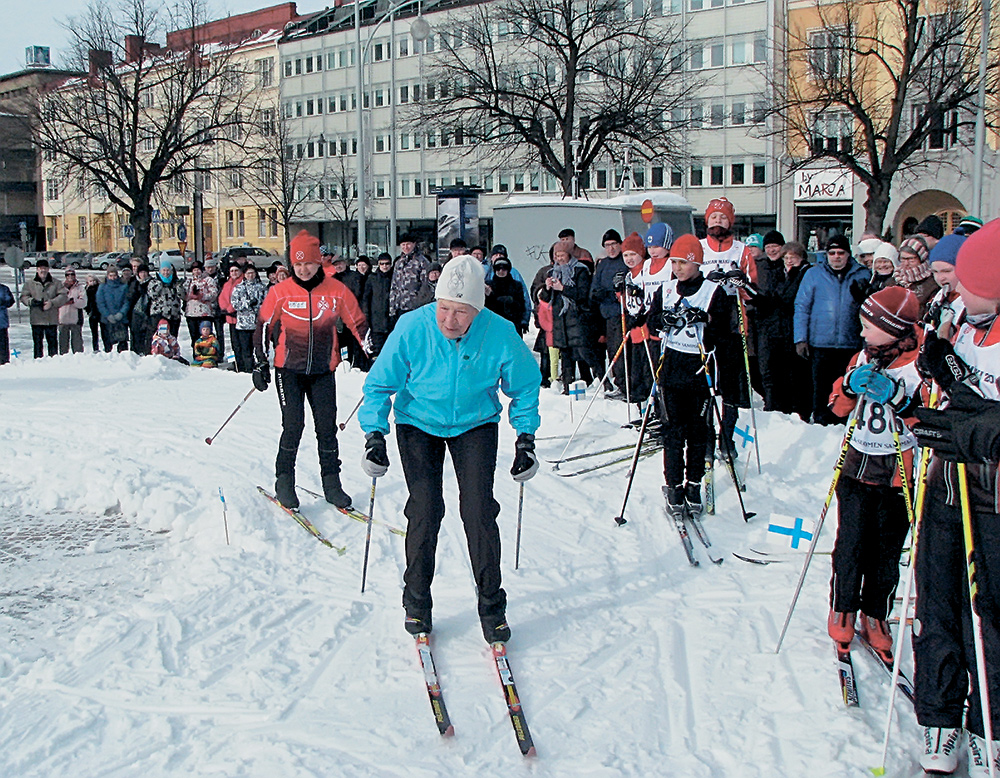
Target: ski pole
x=517, y=541
x=347, y=421
x=211, y=439
x=620, y=518
x=368, y=536
x=586, y=412
x=225, y=519
x=915, y=515
x=628, y=387
x=746, y=363
x=718, y=417
x=822, y=517
x=977, y=622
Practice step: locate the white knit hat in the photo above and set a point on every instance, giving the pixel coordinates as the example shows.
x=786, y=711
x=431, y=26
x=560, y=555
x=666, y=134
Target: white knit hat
x=463, y=280
x=887, y=251
x=868, y=246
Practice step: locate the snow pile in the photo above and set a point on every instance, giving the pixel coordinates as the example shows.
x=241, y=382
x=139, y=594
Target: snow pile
x=141, y=644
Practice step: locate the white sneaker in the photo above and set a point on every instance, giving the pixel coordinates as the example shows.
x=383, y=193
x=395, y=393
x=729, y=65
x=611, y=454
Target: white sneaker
x=978, y=761
x=940, y=755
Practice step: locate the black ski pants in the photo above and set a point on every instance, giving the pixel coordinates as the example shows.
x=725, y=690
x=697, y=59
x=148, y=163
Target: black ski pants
x=613, y=339
x=944, y=654
x=474, y=457
x=685, y=433
x=321, y=391
x=828, y=364
x=871, y=527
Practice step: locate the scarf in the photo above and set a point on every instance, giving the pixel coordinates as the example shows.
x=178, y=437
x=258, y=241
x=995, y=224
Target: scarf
x=564, y=273
x=907, y=277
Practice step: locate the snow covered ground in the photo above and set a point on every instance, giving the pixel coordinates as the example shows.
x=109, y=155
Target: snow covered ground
x=137, y=642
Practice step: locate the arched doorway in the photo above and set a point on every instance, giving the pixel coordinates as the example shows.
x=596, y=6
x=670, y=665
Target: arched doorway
x=922, y=204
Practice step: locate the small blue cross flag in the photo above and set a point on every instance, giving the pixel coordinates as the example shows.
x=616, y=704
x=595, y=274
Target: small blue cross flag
x=745, y=435
x=787, y=532
x=578, y=390
x=15, y=353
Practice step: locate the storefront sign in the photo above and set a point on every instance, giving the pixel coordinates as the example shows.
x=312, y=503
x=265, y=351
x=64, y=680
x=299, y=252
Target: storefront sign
x=826, y=185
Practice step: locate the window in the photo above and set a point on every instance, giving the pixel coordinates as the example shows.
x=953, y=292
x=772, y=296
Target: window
x=288, y=68
x=53, y=189
x=827, y=58
x=736, y=174
x=310, y=108
x=203, y=180
x=739, y=112
x=676, y=177
x=149, y=145
x=760, y=49
x=717, y=50
x=716, y=175
x=379, y=97
x=235, y=179
x=380, y=143
x=519, y=182
x=943, y=127
x=298, y=67
x=639, y=177
x=505, y=182
x=404, y=141
x=230, y=224
x=298, y=108
x=697, y=57
x=832, y=132
x=309, y=64
x=404, y=188
x=331, y=106
x=432, y=139
x=718, y=114
x=417, y=188
x=404, y=47
x=274, y=223
x=429, y=44
x=758, y=173
x=697, y=115
x=739, y=51
x=268, y=123
x=696, y=175
x=380, y=187
x=261, y=223
x=310, y=149
x=378, y=52
x=331, y=61
x=697, y=5
x=240, y=224
x=82, y=227
x=602, y=179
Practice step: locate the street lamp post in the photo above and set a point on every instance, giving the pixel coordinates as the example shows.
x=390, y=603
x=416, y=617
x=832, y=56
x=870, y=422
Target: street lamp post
x=419, y=31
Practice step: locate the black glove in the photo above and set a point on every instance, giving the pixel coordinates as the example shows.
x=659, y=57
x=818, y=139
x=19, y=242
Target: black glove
x=968, y=430
x=859, y=291
x=35, y=303
x=672, y=319
x=375, y=462
x=939, y=362
x=738, y=280
x=631, y=322
x=525, y=463
x=717, y=276
x=261, y=376
x=694, y=316
x=634, y=290
x=618, y=282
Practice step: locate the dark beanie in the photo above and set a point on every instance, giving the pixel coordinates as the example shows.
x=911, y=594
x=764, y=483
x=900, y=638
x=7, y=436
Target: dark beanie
x=932, y=226
x=774, y=237
x=611, y=235
x=839, y=242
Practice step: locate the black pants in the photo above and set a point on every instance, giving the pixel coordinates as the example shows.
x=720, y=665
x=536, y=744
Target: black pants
x=685, y=432
x=828, y=364
x=4, y=346
x=871, y=527
x=243, y=350
x=321, y=391
x=106, y=338
x=640, y=376
x=378, y=341
x=474, y=456
x=95, y=332
x=786, y=376
x=944, y=655
x=220, y=332
x=613, y=339
x=48, y=334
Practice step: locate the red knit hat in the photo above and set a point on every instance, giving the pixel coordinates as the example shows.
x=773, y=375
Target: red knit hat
x=688, y=248
x=635, y=244
x=978, y=263
x=723, y=205
x=894, y=310
x=305, y=248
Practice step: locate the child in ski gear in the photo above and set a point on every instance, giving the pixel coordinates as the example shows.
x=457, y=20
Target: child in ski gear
x=206, y=348
x=946, y=305
x=164, y=344
x=299, y=320
x=445, y=364
x=632, y=291
x=967, y=371
x=881, y=388
x=691, y=315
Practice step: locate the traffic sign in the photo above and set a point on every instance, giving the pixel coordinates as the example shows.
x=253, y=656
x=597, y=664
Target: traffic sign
x=14, y=257
x=22, y=225
x=182, y=232
x=128, y=231
x=182, y=245
x=646, y=211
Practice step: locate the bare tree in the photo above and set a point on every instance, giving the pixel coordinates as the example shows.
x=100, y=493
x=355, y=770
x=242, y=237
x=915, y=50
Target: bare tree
x=873, y=85
x=145, y=115
x=343, y=196
x=531, y=77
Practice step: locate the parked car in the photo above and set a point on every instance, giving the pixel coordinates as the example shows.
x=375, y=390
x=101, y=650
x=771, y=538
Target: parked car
x=176, y=256
x=260, y=257
x=101, y=261
x=31, y=257
x=56, y=258
x=77, y=259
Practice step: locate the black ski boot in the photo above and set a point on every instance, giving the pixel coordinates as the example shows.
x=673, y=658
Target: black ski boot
x=495, y=628
x=675, y=500
x=417, y=623
x=692, y=499
x=334, y=492
x=284, y=490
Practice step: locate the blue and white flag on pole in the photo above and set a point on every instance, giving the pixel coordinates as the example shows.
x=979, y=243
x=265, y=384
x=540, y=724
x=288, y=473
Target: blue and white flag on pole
x=578, y=390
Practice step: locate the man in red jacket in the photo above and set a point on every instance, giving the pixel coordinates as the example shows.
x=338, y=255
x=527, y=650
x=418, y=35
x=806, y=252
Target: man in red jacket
x=299, y=320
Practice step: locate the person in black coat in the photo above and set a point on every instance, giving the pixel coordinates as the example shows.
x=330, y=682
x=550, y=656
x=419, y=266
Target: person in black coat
x=353, y=280
x=504, y=295
x=375, y=302
x=786, y=376
x=567, y=289
x=606, y=305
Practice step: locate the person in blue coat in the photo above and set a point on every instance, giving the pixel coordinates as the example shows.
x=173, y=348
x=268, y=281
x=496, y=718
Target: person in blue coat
x=112, y=302
x=826, y=327
x=6, y=300
x=445, y=365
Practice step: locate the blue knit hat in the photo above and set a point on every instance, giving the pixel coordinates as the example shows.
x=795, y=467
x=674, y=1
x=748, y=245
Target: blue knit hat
x=659, y=234
x=946, y=249
x=166, y=262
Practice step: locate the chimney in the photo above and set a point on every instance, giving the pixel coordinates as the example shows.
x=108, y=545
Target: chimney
x=134, y=45
x=99, y=60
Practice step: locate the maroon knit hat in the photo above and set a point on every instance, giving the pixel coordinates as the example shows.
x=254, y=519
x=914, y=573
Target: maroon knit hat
x=634, y=243
x=894, y=310
x=978, y=263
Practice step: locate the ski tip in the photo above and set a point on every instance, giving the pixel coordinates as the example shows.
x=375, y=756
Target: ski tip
x=531, y=752
x=878, y=771
x=748, y=515
x=619, y=520
x=450, y=732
